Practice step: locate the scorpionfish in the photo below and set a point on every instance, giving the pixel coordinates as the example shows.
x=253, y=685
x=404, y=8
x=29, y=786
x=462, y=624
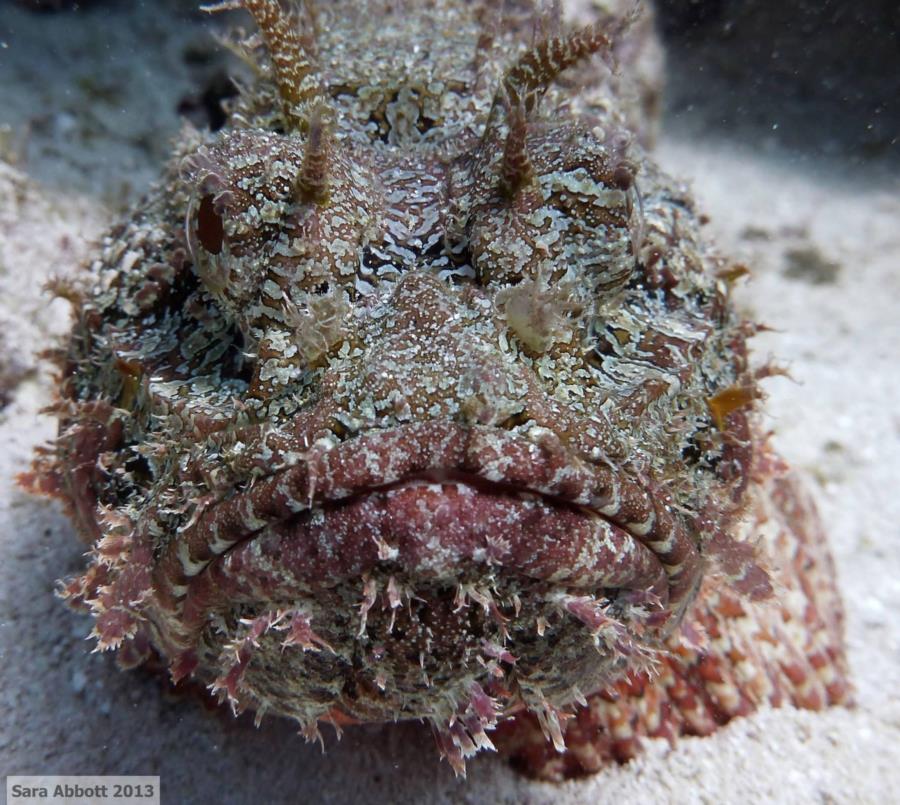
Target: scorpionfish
x=415, y=392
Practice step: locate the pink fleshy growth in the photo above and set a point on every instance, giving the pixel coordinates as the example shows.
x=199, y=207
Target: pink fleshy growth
x=115, y=544
x=183, y=666
x=466, y=732
x=449, y=749
x=370, y=593
x=497, y=549
x=477, y=730
x=259, y=626
x=482, y=705
x=228, y=685
x=116, y=607
x=134, y=651
x=589, y=612
x=552, y=721
x=113, y=548
x=300, y=633
x=113, y=626
x=81, y=590
x=132, y=587
x=693, y=637
x=393, y=593
x=242, y=650
x=497, y=652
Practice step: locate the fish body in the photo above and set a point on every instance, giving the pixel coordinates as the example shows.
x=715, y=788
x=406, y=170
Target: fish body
x=415, y=392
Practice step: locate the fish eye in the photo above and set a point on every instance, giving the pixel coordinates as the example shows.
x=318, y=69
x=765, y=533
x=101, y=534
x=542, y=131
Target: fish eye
x=210, y=227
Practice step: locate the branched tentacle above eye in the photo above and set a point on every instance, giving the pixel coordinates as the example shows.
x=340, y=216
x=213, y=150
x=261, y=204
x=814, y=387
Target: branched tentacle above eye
x=504, y=140
x=528, y=79
x=295, y=73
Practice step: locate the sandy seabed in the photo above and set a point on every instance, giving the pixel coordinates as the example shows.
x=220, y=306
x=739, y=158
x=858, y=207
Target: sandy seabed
x=823, y=243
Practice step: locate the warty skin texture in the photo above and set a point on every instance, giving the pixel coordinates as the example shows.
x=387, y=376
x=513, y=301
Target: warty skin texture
x=416, y=393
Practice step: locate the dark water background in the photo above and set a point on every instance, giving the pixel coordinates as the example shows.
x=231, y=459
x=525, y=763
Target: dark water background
x=815, y=78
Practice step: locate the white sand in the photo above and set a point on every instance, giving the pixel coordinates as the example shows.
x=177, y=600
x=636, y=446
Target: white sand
x=68, y=711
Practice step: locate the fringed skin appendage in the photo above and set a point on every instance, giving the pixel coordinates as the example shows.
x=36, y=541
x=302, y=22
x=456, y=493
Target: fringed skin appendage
x=527, y=80
x=293, y=67
x=730, y=657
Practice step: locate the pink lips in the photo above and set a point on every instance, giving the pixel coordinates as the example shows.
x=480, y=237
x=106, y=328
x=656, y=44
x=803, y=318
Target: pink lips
x=441, y=532
x=432, y=499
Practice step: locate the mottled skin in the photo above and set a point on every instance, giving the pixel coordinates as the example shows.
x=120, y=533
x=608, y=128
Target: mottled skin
x=416, y=393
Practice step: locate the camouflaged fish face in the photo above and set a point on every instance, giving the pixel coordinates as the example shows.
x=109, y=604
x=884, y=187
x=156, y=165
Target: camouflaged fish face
x=414, y=394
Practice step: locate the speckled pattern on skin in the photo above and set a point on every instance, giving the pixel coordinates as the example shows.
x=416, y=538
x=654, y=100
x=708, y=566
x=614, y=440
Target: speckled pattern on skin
x=415, y=393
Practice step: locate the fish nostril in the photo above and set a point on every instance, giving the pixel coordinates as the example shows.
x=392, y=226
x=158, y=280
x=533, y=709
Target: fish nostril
x=515, y=420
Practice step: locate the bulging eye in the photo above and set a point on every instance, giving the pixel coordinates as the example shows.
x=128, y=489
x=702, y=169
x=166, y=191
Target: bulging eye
x=210, y=228
x=206, y=176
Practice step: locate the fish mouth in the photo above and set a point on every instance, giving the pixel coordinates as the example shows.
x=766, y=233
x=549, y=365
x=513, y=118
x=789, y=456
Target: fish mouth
x=441, y=513
x=467, y=478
